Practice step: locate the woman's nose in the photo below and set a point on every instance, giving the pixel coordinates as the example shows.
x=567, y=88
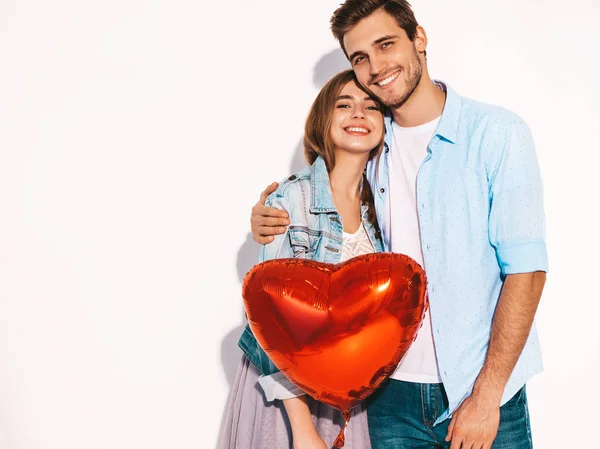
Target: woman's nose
x=358, y=112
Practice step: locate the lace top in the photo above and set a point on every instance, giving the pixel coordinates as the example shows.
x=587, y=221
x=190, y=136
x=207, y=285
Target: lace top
x=356, y=244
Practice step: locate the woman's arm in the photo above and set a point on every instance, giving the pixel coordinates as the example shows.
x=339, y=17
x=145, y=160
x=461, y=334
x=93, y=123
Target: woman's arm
x=278, y=249
x=304, y=434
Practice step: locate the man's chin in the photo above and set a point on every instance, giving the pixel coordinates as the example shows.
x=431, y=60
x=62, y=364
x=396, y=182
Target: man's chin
x=394, y=101
x=388, y=98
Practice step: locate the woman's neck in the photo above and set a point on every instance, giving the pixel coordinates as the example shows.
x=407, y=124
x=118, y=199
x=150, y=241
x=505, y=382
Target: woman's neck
x=346, y=176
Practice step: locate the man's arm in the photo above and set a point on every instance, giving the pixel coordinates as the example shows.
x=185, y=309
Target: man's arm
x=475, y=422
x=265, y=221
x=517, y=233
x=512, y=323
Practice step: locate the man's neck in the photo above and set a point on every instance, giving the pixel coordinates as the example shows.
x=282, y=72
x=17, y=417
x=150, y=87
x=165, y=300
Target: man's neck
x=424, y=105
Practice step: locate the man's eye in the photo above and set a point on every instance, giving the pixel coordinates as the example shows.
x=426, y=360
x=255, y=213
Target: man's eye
x=385, y=45
x=359, y=60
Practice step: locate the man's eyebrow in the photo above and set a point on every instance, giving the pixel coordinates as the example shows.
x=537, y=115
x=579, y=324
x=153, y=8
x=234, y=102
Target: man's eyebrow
x=355, y=54
x=384, y=38
x=376, y=42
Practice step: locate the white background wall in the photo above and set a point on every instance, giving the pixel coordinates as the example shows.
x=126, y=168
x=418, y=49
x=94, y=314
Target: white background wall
x=136, y=135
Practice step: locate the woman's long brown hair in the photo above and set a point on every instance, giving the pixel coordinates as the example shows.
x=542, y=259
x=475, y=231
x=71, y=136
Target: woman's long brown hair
x=317, y=135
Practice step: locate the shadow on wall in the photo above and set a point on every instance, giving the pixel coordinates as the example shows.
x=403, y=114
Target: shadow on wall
x=331, y=63
x=328, y=65
x=230, y=353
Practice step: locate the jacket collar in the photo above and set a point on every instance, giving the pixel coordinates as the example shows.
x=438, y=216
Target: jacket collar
x=322, y=198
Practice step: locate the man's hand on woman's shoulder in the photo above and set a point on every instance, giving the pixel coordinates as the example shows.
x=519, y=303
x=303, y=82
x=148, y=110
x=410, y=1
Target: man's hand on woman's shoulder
x=267, y=221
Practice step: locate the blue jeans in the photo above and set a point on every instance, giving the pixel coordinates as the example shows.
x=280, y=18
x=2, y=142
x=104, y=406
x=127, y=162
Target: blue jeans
x=401, y=416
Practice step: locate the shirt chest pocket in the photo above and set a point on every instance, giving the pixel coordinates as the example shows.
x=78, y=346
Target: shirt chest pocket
x=303, y=242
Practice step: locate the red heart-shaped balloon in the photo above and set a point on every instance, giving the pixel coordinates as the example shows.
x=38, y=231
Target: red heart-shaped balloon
x=336, y=331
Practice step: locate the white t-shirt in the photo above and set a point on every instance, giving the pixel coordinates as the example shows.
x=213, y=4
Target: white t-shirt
x=408, y=151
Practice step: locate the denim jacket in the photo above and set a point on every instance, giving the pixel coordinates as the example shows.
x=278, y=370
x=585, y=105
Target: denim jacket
x=315, y=232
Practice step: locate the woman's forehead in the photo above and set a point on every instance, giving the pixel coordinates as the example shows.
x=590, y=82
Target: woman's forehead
x=352, y=89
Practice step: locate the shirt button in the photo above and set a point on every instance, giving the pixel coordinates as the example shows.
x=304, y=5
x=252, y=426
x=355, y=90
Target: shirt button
x=291, y=178
x=387, y=150
x=382, y=190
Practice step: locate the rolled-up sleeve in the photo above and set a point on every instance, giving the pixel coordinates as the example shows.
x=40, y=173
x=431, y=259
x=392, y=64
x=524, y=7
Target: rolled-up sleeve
x=278, y=387
x=516, y=221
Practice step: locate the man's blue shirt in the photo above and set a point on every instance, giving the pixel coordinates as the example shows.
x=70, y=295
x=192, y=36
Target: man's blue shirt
x=481, y=217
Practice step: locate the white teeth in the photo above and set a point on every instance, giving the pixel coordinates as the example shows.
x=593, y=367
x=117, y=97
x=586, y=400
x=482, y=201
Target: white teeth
x=388, y=80
x=357, y=130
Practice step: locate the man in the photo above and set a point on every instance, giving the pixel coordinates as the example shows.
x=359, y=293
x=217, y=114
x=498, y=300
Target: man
x=458, y=189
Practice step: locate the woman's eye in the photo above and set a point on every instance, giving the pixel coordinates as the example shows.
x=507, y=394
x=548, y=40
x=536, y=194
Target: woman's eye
x=343, y=106
x=373, y=108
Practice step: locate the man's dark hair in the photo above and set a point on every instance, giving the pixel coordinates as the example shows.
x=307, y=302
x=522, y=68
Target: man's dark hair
x=353, y=11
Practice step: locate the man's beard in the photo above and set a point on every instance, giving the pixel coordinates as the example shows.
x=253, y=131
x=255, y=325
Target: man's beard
x=412, y=82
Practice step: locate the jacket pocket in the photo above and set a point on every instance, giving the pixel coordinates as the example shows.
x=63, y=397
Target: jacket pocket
x=301, y=242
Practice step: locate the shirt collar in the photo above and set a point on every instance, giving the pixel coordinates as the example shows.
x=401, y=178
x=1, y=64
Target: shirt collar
x=447, y=127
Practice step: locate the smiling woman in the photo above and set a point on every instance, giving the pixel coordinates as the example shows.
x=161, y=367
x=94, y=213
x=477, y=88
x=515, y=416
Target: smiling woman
x=333, y=219
x=344, y=120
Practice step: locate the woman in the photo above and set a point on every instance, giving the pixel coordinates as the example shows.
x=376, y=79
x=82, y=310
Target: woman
x=332, y=219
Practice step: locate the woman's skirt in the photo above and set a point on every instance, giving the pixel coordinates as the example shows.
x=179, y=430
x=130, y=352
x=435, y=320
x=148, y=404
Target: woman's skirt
x=253, y=423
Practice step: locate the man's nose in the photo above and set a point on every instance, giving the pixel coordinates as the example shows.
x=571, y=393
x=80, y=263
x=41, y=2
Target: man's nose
x=377, y=66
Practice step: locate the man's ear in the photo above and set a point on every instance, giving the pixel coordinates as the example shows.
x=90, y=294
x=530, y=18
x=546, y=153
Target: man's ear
x=420, y=40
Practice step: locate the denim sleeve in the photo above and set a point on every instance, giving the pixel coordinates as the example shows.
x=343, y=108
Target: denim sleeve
x=255, y=353
x=279, y=248
x=516, y=220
